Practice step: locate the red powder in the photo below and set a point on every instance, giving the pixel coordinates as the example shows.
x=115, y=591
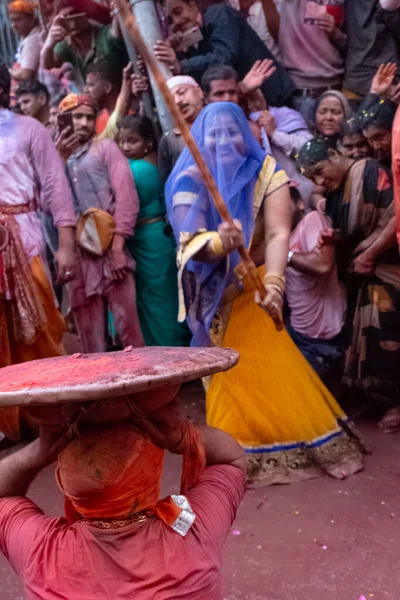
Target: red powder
x=73, y=370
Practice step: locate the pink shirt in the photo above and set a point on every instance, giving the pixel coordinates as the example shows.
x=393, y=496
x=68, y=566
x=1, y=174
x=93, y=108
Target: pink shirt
x=31, y=172
x=100, y=177
x=58, y=561
x=317, y=303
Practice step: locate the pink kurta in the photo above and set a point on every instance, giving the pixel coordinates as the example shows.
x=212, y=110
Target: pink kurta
x=100, y=177
x=145, y=561
x=31, y=172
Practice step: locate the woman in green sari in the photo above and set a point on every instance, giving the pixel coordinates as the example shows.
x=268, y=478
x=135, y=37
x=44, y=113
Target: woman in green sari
x=153, y=250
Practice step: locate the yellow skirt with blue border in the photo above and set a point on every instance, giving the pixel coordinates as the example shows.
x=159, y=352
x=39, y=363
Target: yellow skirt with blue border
x=275, y=405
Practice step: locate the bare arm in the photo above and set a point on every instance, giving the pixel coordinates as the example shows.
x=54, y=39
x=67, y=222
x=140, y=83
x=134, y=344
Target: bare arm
x=277, y=219
x=56, y=34
x=222, y=449
x=22, y=74
x=272, y=18
x=319, y=261
x=19, y=470
x=386, y=240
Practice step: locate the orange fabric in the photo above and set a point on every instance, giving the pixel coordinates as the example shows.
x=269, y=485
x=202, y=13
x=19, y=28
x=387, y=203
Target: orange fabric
x=22, y=6
x=194, y=456
x=101, y=121
x=74, y=100
x=115, y=471
x=110, y=471
x=396, y=168
x=46, y=345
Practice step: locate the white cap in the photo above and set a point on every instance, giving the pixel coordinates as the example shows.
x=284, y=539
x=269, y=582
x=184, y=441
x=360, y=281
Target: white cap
x=181, y=80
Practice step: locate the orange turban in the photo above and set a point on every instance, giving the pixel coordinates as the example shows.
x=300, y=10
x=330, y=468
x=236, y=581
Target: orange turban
x=22, y=6
x=74, y=100
x=115, y=471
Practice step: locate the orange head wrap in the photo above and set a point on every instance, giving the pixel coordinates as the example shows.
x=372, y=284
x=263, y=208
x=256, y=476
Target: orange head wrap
x=74, y=100
x=115, y=471
x=22, y=6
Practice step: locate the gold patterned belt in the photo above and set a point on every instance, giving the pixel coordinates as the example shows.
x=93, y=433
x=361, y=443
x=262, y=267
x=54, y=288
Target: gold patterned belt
x=118, y=523
x=17, y=209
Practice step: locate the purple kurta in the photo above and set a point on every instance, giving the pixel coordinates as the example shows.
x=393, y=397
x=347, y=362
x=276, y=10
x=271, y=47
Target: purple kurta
x=31, y=172
x=101, y=178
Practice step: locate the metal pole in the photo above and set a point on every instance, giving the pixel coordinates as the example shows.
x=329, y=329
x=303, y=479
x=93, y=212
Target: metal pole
x=149, y=25
x=145, y=97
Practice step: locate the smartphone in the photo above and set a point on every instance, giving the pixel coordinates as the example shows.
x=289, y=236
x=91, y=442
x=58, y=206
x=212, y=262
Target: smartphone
x=65, y=120
x=74, y=22
x=189, y=38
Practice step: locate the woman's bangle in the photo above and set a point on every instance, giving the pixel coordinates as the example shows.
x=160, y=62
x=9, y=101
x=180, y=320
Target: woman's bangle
x=275, y=287
x=276, y=281
x=216, y=247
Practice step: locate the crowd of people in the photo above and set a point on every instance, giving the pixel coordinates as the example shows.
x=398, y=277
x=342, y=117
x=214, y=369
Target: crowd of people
x=294, y=107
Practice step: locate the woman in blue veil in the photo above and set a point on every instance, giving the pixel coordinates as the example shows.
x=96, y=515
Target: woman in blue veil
x=272, y=402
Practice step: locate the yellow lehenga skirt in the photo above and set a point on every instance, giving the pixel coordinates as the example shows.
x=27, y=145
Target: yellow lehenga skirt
x=275, y=405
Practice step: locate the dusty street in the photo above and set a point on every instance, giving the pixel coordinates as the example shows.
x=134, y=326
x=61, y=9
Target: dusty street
x=317, y=540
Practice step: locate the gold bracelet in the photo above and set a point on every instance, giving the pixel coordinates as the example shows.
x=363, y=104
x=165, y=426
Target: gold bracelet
x=216, y=246
x=278, y=281
x=275, y=287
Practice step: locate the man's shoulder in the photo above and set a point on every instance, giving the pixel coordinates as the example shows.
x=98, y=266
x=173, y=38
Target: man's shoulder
x=105, y=145
x=220, y=12
x=30, y=125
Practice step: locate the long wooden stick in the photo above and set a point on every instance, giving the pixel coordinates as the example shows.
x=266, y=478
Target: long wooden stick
x=151, y=62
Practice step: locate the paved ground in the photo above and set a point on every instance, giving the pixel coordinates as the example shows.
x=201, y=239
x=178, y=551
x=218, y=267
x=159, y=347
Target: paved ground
x=317, y=540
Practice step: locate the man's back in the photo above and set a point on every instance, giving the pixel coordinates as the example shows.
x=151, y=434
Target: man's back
x=143, y=561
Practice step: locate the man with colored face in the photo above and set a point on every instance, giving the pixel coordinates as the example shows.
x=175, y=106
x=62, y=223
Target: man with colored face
x=189, y=98
x=377, y=123
x=103, y=83
x=103, y=187
x=25, y=26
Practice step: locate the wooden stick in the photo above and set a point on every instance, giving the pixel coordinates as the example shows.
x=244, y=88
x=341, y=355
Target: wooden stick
x=151, y=62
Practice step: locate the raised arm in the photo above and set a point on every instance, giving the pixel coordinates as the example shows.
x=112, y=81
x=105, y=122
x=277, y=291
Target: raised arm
x=57, y=33
x=165, y=426
x=19, y=470
x=222, y=449
x=318, y=262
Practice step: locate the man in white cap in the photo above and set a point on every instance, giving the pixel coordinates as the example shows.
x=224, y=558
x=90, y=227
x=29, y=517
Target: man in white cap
x=189, y=97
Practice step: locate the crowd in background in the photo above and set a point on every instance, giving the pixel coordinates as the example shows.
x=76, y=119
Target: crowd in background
x=316, y=81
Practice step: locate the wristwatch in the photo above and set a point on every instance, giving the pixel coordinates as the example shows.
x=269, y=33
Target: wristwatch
x=289, y=258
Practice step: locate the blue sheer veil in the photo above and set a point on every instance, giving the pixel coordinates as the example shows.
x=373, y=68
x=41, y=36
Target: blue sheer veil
x=235, y=159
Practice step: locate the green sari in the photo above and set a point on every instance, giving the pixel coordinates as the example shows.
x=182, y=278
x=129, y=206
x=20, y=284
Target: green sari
x=156, y=271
